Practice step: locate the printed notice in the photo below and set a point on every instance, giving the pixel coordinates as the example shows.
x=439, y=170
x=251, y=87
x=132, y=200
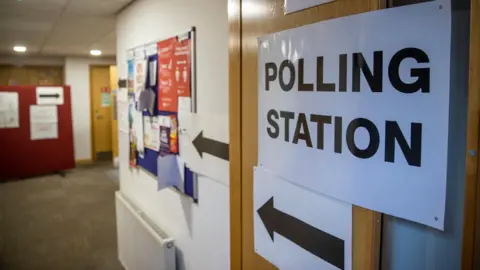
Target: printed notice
x=9, y=116
x=43, y=122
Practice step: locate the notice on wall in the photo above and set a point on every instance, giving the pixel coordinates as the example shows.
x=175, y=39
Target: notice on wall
x=105, y=97
x=295, y=228
x=49, y=95
x=296, y=5
x=122, y=94
x=140, y=77
x=9, y=114
x=132, y=135
x=204, y=143
x=130, y=74
x=138, y=131
x=363, y=119
x=43, y=122
x=123, y=117
x=151, y=132
x=167, y=95
x=174, y=72
x=182, y=67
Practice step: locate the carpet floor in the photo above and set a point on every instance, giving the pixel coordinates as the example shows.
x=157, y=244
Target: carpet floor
x=53, y=222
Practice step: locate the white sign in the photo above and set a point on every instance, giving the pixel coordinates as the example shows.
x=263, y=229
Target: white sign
x=295, y=228
x=357, y=108
x=123, y=124
x=49, y=95
x=138, y=131
x=140, y=71
x=9, y=114
x=43, y=114
x=203, y=143
x=43, y=122
x=297, y=5
x=151, y=132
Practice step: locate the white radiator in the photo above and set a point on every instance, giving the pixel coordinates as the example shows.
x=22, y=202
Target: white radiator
x=141, y=244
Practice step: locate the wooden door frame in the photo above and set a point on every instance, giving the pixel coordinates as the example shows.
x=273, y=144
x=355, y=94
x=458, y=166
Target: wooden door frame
x=471, y=219
x=92, y=126
x=368, y=233
x=235, y=123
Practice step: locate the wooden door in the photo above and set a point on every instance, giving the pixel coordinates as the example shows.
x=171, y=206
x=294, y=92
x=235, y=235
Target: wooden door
x=113, y=85
x=101, y=109
x=250, y=19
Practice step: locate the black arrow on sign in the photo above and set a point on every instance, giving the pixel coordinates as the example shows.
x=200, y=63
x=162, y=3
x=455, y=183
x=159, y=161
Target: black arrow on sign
x=321, y=244
x=49, y=95
x=209, y=146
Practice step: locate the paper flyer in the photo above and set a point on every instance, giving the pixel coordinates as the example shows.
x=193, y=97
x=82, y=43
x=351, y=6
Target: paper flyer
x=140, y=77
x=9, y=115
x=123, y=125
x=43, y=122
x=151, y=129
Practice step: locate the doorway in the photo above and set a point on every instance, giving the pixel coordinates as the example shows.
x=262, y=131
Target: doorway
x=245, y=27
x=101, y=113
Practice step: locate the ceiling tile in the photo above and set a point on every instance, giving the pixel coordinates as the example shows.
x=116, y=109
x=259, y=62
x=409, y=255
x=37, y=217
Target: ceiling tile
x=106, y=44
x=95, y=7
x=32, y=6
x=78, y=33
x=60, y=27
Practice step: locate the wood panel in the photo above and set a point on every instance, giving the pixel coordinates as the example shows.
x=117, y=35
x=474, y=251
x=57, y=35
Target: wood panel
x=235, y=114
x=31, y=75
x=469, y=253
x=258, y=18
x=113, y=85
x=101, y=116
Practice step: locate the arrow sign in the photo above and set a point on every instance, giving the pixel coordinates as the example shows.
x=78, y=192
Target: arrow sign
x=49, y=95
x=212, y=147
x=319, y=243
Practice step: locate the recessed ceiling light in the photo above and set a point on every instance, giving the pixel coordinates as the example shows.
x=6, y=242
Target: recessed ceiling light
x=20, y=48
x=96, y=52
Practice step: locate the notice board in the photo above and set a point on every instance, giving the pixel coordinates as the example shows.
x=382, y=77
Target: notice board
x=22, y=157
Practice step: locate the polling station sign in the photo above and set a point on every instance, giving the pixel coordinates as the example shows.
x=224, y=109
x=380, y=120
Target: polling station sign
x=357, y=108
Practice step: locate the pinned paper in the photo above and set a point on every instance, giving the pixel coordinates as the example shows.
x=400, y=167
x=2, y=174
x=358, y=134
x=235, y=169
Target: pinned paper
x=138, y=130
x=169, y=173
x=9, y=115
x=151, y=130
x=146, y=101
x=122, y=116
x=140, y=77
x=184, y=104
x=43, y=122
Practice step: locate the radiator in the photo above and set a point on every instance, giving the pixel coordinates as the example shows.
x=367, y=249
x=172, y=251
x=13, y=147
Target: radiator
x=141, y=244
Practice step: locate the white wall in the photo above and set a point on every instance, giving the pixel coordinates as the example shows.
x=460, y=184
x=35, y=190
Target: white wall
x=201, y=231
x=77, y=75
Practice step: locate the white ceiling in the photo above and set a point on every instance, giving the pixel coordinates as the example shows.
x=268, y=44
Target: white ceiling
x=59, y=27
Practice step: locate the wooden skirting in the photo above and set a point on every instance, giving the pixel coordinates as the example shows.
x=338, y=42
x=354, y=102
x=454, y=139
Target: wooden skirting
x=84, y=161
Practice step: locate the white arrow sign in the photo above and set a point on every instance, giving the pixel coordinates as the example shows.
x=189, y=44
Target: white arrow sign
x=203, y=143
x=295, y=228
x=49, y=95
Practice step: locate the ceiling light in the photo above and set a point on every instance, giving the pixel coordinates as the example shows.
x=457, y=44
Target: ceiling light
x=96, y=52
x=20, y=48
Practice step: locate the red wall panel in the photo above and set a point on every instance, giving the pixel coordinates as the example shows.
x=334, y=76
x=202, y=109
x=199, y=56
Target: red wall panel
x=21, y=157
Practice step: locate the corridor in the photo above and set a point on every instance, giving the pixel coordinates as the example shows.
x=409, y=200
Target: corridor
x=53, y=222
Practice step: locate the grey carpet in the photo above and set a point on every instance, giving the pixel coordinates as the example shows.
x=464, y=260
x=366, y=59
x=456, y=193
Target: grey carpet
x=50, y=222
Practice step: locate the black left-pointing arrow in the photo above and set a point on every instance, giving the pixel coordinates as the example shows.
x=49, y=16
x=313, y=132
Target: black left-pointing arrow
x=49, y=95
x=321, y=244
x=212, y=147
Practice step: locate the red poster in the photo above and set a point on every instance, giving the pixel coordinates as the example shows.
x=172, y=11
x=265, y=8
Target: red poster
x=173, y=73
x=182, y=68
x=167, y=95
